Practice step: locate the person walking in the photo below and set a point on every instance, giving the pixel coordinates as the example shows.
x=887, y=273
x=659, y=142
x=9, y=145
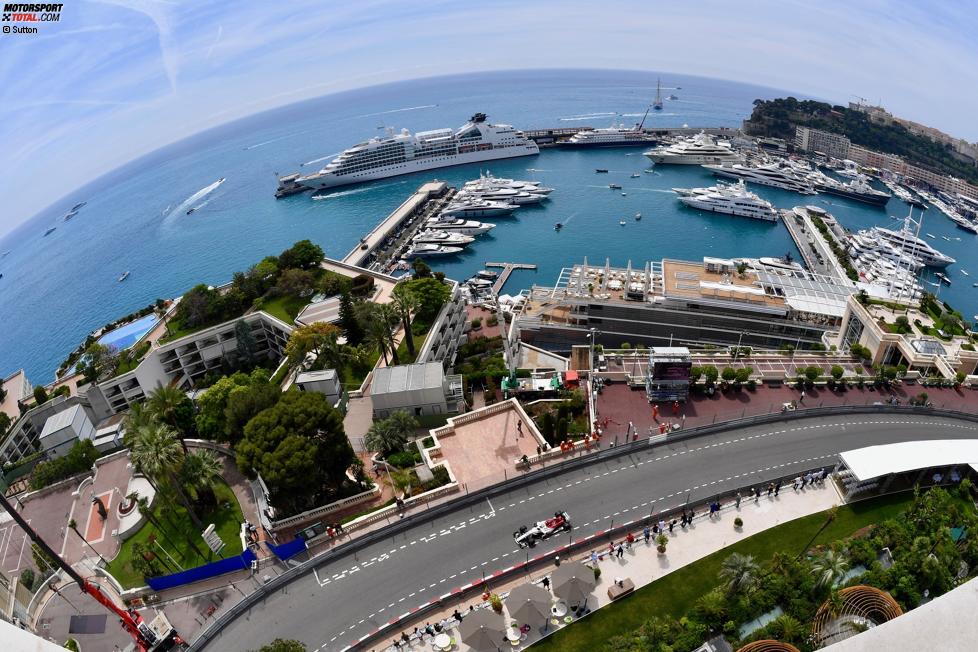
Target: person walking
x=557, y=561
x=770, y=489
x=777, y=488
x=796, y=483
x=738, y=500
x=801, y=399
x=757, y=494
x=632, y=428
x=620, y=551
x=691, y=515
x=546, y=585
x=655, y=412
x=519, y=427
x=594, y=558
x=629, y=540
x=672, y=524
x=646, y=534
x=662, y=526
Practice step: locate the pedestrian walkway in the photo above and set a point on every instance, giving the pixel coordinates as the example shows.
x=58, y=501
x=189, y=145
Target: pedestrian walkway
x=641, y=562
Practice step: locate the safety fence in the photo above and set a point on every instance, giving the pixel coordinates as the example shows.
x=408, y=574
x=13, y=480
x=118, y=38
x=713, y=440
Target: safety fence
x=228, y=565
x=538, y=475
x=287, y=550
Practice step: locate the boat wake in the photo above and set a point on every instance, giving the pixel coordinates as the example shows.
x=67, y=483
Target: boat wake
x=183, y=206
x=319, y=160
x=273, y=140
x=407, y=108
x=355, y=191
x=586, y=116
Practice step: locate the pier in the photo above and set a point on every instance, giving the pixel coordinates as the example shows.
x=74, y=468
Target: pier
x=371, y=246
x=507, y=270
x=814, y=249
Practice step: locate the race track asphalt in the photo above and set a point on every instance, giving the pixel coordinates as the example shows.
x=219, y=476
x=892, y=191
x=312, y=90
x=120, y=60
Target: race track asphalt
x=352, y=595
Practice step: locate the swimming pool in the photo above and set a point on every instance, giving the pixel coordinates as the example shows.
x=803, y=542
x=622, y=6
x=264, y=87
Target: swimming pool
x=123, y=337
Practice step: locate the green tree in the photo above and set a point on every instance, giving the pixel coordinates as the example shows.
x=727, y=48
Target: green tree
x=740, y=573
x=298, y=446
x=98, y=362
x=828, y=568
x=837, y=372
x=243, y=403
x=711, y=373
x=405, y=304
x=378, y=323
x=812, y=373
x=211, y=416
x=73, y=526
x=3, y=392
x=728, y=374
x=431, y=295
x=348, y=320
x=390, y=435
x=199, y=306
x=304, y=254
x=295, y=282
x=245, y=344
x=157, y=451
x=788, y=628
x=170, y=406
x=40, y=395
x=283, y=645
x=199, y=473
x=743, y=374
x=4, y=422
x=27, y=578
x=420, y=268
x=318, y=338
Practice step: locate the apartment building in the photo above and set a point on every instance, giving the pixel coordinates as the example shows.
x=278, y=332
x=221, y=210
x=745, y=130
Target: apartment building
x=815, y=140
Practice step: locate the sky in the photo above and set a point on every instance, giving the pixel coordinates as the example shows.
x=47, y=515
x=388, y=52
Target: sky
x=116, y=79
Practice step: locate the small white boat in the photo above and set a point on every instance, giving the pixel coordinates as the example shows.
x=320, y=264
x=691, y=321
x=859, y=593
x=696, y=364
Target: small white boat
x=946, y=238
x=624, y=194
x=622, y=222
x=124, y=276
x=614, y=186
x=965, y=272
x=636, y=176
x=930, y=235
x=638, y=216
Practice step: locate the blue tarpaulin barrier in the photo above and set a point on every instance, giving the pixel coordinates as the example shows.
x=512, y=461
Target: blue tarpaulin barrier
x=204, y=572
x=287, y=550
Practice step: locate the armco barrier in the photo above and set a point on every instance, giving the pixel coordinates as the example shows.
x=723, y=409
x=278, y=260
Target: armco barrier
x=532, y=477
x=231, y=564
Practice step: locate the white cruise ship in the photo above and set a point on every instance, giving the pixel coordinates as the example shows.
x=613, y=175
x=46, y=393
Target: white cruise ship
x=734, y=199
x=698, y=150
x=379, y=158
x=613, y=136
x=770, y=174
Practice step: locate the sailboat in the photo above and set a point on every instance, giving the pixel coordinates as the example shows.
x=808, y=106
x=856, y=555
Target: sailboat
x=657, y=104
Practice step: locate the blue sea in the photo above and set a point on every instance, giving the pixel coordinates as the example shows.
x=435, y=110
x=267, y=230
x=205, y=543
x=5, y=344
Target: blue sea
x=56, y=289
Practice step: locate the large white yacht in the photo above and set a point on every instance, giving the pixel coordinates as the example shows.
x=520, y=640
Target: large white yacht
x=404, y=153
x=769, y=174
x=473, y=207
x=734, y=199
x=508, y=195
x=458, y=225
x=433, y=236
x=486, y=180
x=613, y=136
x=905, y=240
x=698, y=150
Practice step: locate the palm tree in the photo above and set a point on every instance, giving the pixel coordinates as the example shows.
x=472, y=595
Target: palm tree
x=163, y=403
x=138, y=417
x=780, y=564
x=789, y=629
x=391, y=434
x=388, y=316
x=157, y=452
x=405, y=303
x=376, y=332
x=740, y=572
x=200, y=472
x=73, y=526
x=829, y=568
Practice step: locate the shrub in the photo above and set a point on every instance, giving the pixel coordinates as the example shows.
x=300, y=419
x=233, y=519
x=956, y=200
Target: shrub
x=729, y=373
x=837, y=372
x=661, y=542
x=27, y=577
x=492, y=320
x=597, y=572
x=711, y=374
x=404, y=459
x=743, y=374
x=496, y=603
x=476, y=324
x=71, y=644
x=738, y=522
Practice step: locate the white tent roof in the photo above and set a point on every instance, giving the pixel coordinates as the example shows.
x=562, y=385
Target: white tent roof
x=818, y=305
x=875, y=461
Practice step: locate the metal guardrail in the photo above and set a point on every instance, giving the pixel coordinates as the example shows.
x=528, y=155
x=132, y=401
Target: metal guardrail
x=410, y=521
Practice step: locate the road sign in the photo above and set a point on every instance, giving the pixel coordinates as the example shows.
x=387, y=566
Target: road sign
x=212, y=539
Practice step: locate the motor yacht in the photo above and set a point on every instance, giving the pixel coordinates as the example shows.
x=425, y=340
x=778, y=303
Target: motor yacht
x=699, y=150
x=734, y=199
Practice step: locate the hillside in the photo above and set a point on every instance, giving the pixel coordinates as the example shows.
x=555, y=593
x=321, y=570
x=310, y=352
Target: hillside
x=776, y=118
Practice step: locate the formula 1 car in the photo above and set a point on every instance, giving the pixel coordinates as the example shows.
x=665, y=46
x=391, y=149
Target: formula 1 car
x=527, y=537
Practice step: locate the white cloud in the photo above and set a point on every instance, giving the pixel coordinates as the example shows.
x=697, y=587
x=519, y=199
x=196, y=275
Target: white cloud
x=114, y=66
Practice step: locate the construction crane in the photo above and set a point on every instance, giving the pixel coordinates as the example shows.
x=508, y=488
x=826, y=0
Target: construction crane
x=145, y=637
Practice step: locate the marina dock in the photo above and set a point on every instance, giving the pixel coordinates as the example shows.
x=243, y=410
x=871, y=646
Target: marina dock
x=507, y=270
x=371, y=247
x=814, y=250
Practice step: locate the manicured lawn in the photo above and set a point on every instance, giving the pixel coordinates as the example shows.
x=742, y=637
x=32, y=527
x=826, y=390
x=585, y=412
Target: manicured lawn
x=175, y=330
x=402, y=351
x=174, y=538
x=285, y=307
x=675, y=593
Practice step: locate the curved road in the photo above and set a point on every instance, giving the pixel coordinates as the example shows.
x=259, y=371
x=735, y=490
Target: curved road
x=353, y=595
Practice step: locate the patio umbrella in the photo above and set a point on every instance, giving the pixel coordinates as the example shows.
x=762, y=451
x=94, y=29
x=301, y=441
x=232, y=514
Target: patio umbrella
x=572, y=582
x=529, y=603
x=482, y=630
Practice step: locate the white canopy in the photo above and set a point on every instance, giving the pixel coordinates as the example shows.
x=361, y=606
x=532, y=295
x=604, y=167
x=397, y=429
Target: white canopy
x=875, y=461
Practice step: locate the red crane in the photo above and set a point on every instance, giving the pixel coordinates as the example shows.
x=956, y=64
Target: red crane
x=143, y=636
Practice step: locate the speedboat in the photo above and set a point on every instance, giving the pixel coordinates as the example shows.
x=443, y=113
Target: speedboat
x=636, y=176
x=124, y=276
x=600, y=171
x=624, y=194
x=191, y=210
x=614, y=186
x=558, y=226
x=487, y=274
x=50, y=231
x=622, y=222
x=638, y=216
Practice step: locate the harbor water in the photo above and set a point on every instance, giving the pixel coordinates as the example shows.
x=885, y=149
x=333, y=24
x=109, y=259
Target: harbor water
x=56, y=289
